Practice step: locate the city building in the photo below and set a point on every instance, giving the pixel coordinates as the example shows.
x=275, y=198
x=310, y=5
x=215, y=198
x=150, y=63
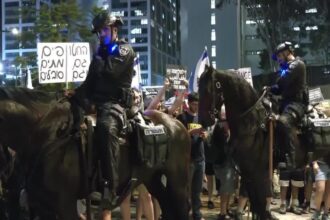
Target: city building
x=152, y=27
x=203, y=24
x=253, y=46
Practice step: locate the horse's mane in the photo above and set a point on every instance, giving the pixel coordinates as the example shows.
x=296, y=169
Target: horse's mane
x=236, y=81
x=31, y=99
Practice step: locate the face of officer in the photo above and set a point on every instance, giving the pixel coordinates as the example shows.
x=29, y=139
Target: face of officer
x=284, y=56
x=108, y=34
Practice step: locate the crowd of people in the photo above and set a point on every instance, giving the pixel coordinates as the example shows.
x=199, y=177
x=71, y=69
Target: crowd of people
x=108, y=86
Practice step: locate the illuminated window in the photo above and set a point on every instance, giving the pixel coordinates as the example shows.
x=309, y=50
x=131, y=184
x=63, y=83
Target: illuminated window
x=144, y=21
x=213, y=19
x=214, y=51
x=136, y=31
x=311, y=28
x=214, y=64
x=311, y=11
x=212, y=4
x=213, y=35
x=296, y=28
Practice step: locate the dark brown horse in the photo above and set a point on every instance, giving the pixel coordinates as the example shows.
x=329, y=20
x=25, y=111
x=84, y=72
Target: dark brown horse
x=49, y=154
x=246, y=117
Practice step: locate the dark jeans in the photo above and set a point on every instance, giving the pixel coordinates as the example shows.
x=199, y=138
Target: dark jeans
x=107, y=130
x=287, y=135
x=197, y=172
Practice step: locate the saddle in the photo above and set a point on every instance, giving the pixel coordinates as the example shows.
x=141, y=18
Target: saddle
x=317, y=128
x=150, y=150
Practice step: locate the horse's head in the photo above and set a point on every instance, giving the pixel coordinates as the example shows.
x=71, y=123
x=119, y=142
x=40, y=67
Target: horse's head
x=211, y=98
x=16, y=124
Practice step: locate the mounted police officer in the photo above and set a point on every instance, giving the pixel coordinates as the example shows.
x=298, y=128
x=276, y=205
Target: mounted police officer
x=292, y=88
x=108, y=87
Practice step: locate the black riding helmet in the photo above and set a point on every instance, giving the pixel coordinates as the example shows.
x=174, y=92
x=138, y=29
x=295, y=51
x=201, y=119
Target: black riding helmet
x=282, y=47
x=105, y=19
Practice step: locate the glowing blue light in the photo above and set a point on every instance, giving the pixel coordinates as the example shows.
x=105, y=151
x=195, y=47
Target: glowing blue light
x=114, y=47
x=284, y=69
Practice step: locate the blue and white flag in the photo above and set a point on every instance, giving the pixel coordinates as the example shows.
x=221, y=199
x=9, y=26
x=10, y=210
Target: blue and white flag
x=136, y=81
x=200, y=67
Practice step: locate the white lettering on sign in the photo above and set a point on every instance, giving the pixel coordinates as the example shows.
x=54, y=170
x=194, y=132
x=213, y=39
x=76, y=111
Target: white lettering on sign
x=246, y=74
x=154, y=130
x=176, y=75
x=321, y=122
x=315, y=95
x=63, y=62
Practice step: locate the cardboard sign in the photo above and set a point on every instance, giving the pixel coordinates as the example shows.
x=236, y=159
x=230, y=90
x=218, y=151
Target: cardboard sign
x=150, y=91
x=63, y=62
x=315, y=95
x=176, y=75
x=246, y=74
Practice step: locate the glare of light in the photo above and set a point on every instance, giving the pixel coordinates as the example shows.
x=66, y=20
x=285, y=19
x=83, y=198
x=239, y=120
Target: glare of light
x=311, y=11
x=14, y=31
x=296, y=46
x=105, y=6
x=296, y=28
x=313, y=28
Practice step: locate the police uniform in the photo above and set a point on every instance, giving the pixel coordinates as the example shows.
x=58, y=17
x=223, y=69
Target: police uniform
x=292, y=87
x=108, y=86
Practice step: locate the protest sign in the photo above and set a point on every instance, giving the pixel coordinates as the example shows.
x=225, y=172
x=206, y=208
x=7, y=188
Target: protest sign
x=246, y=74
x=176, y=75
x=315, y=95
x=63, y=62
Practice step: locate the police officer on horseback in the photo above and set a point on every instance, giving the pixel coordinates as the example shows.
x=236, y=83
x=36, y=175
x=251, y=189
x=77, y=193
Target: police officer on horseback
x=108, y=86
x=292, y=88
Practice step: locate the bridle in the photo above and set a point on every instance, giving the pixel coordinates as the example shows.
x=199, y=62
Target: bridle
x=217, y=97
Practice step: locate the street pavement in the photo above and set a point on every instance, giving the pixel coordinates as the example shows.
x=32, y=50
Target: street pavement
x=213, y=213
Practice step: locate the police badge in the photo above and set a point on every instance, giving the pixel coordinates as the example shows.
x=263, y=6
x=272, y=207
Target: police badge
x=123, y=51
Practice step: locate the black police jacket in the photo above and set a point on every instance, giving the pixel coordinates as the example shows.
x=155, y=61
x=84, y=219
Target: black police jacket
x=109, y=74
x=292, y=84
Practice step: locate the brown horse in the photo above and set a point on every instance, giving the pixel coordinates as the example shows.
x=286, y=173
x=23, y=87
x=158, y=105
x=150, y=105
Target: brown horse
x=50, y=156
x=246, y=117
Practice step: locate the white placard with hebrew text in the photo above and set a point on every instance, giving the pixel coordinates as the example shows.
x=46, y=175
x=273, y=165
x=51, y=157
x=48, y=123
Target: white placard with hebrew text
x=63, y=62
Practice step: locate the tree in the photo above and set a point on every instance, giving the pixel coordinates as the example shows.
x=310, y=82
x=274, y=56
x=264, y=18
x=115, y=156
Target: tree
x=275, y=21
x=61, y=21
x=320, y=42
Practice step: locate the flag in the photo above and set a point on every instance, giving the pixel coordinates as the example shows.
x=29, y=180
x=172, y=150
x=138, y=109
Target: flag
x=28, y=79
x=200, y=67
x=136, y=81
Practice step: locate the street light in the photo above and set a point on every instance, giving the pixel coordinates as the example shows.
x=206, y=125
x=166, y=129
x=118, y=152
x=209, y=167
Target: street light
x=14, y=31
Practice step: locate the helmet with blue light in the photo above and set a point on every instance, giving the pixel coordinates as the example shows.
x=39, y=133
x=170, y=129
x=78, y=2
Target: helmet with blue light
x=104, y=19
x=285, y=46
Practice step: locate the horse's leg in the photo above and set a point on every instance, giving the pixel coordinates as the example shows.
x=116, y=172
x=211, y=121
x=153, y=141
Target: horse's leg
x=177, y=189
x=67, y=208
x=171, y=193
x=157, y=189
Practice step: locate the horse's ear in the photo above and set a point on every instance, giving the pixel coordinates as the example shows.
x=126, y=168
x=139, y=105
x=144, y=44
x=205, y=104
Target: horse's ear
x=208, y=68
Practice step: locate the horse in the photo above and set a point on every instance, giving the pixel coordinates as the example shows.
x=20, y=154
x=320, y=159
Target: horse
x=50, y=156
x=247, y=119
